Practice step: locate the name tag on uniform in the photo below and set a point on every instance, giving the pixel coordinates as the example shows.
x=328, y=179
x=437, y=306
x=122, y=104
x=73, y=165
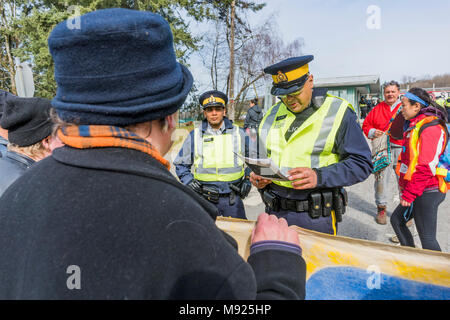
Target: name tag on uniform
x=281, y=117
x=403, y=168
x=208, y=139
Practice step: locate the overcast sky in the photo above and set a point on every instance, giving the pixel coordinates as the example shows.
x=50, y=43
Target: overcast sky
x=411, y=37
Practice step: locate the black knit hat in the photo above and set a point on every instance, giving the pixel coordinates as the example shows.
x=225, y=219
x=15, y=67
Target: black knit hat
x=26, y=119
x=3, y=95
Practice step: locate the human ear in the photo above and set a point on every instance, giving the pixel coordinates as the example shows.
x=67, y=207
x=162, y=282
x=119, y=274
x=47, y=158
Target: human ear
x=171, y=120
x=46, y=144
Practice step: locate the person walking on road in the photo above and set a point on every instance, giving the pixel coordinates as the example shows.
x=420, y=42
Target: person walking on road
x=425, y=141
x=381, y=118
x=254, y=115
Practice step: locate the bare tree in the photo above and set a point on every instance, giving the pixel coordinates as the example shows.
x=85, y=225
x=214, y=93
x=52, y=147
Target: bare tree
x=8, y=12
x=262, y=48
x=255, y=49
x=427, y=81
x=214, y=56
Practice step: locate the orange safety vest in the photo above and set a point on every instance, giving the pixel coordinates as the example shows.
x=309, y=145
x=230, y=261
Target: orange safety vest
x=441, y=173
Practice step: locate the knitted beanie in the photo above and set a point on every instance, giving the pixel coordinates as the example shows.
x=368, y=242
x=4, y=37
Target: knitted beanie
x=26, y=119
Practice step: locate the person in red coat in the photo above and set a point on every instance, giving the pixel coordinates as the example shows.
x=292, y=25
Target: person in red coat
x=420, y=196
x=376, y=124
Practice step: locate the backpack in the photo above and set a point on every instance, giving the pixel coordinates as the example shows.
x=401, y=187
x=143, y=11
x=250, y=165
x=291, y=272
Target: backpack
x=443, y=167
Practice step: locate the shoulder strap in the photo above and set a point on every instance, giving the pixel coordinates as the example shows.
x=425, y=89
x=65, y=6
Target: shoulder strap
x=393, y=118
x=435, y=122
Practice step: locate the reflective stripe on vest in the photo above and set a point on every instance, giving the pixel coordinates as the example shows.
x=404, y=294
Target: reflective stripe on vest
x=214, y=159
x=311, y=144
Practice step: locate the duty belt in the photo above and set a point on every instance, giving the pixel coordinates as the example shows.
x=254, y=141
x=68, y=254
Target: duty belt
x=294, y=205
x=319, y=203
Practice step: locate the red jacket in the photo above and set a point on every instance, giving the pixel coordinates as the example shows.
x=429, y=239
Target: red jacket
x=378, y=118
x=431, y=146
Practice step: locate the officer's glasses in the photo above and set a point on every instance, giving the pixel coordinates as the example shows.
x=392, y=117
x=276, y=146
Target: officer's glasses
x=292, y=94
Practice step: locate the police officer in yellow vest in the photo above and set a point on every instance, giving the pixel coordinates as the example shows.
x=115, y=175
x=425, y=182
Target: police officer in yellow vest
x=218, y=173
x=447, y=107
x=440, y=101
x=317, y=143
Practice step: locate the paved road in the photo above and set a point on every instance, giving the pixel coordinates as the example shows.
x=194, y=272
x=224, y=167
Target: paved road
x=359, y=220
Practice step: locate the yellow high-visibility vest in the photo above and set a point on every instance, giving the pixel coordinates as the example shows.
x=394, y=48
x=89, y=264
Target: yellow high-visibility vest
x=440, y=101
x=311, y=144
x=214, y=157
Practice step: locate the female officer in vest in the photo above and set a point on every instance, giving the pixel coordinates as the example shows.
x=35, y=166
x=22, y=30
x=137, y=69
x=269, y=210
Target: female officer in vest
x=218, y=173
x=318, y=145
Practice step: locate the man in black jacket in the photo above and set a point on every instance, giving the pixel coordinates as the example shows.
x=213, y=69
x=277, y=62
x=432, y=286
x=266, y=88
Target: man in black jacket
x=3, y=132
x=254, y=115
x=103, y=218
x=27, y=121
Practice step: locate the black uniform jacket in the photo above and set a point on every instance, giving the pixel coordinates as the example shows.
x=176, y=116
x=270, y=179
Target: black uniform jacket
x=113, y=223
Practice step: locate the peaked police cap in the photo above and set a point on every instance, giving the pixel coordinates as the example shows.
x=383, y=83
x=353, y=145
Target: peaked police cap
x=289, y=75
x=213, y=98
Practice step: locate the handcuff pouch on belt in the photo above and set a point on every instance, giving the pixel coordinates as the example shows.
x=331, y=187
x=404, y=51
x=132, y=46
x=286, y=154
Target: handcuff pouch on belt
x=270, y=199
x=340, y=201
x=315, y=204
x=327, y=203
x=211, y=193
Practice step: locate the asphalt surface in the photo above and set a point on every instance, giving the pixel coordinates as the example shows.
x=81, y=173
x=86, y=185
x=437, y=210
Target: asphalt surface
x=359, y=219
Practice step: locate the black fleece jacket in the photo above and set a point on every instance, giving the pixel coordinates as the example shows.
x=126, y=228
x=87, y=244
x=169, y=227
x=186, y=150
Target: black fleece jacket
x=131, y=230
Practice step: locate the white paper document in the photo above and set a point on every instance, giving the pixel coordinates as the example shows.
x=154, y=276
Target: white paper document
x=265, y=168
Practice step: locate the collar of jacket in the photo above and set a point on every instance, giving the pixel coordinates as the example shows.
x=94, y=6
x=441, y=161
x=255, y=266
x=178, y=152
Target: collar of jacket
x=413, y=121
x=127, y=161
x=256, y=108
x=3, y=141
x=228, y=124
x=385, y=105
x=17, y=157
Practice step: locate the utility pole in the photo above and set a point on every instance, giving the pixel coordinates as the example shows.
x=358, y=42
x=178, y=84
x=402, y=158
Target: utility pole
x=231, y=78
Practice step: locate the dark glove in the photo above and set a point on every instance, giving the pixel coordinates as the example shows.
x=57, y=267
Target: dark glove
x=196, y=186
x=245, y=188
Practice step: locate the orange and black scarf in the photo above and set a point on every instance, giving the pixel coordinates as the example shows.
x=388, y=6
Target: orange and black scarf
x=98, y=136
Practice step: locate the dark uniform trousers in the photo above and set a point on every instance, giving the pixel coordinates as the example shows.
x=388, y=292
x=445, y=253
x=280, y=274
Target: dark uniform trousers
x=235, y=210
x=303, y=220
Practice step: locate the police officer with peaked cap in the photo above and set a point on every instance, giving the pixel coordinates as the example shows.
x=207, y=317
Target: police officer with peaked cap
x=318, y=144
x=218, y=173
